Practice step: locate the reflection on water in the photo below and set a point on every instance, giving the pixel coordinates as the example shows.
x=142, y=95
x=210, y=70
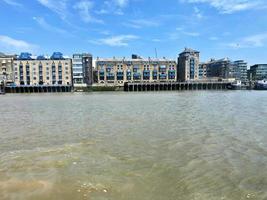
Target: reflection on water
x=152, y=146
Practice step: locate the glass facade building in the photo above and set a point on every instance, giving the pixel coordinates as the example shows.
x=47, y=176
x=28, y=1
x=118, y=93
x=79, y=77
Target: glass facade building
x=218, y=68
x=258, y=72
x=82, y=65
x=239, y=70
x=223, y=69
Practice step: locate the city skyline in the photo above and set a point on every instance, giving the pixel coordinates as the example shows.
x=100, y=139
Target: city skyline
x=230, y=28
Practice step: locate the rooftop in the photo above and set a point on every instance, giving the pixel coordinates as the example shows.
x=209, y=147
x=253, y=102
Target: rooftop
x=189, y=50
x=2, y=55
x=139, y=59
x=29, y=56
x=218, y=60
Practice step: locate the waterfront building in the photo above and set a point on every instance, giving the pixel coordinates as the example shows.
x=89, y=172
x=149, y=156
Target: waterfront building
x=202, y=71
x=258, y=72
x=188, y=65
x=226, y=69
x=239, y=70
x=219, y=68
x=42, y=71
x=82, y=65
x=6, y=68
x=117, y=72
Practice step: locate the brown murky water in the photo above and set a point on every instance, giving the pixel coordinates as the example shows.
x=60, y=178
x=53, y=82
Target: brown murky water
x=151, y=146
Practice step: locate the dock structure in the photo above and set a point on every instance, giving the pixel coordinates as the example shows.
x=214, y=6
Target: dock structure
x=38, y=89
x=2, y=89
x=175, y=86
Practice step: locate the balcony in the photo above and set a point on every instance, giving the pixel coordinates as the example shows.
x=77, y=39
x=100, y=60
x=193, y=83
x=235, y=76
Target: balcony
x=171, y=74
x=120, y=76
x=101, y=72
x=137, y=76
x=162, y=76
x=110, y=77
x=162, y=68
x=109, y=69
x=146, y=75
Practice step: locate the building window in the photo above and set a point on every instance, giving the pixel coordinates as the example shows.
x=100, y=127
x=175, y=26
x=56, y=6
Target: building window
x=135, y=68
x=109, y=68
x=120, y=76
x=192, y=68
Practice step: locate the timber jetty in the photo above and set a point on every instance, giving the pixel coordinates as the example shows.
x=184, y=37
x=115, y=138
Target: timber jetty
x=38, y=89
x=127, y=87
x=172, y=86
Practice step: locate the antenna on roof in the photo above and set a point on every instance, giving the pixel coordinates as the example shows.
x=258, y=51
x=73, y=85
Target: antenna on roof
x=156, y=53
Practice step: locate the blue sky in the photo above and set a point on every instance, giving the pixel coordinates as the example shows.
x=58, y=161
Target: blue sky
x=217, y=28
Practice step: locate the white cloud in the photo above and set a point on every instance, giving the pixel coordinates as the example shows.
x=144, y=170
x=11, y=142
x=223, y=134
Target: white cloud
x=156, y=40
x=121, y=3
x=226, y=33
x=113, y=7
x=43, y=23
x=104, y=32
x=198, y=13
x=257, y=40
x=231, y=6
x=116, y=41
x=85, y=7
x=59, y=7
x=101, y=12
x=9, y=44
x=12, y=3
x=181, y=30
x=192, y=34
x=214, y=38
x=141, y=23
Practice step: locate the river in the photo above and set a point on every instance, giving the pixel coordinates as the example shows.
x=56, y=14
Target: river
x=201, y=145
